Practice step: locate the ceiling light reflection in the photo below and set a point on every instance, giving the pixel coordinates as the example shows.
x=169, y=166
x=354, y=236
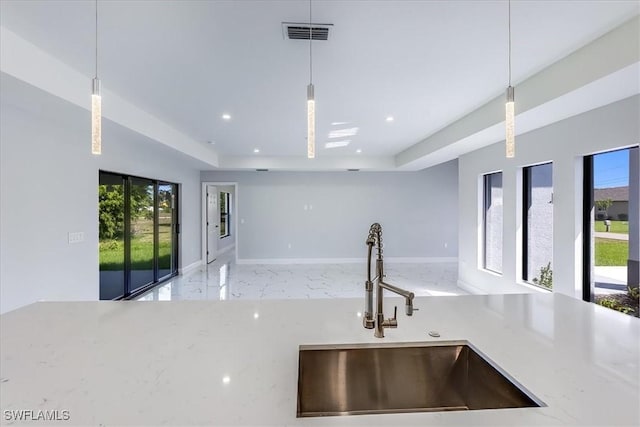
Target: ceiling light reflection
x=343, y=133
x=337, y=144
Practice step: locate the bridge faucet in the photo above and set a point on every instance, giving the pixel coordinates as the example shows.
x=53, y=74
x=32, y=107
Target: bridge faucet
x=379, y=322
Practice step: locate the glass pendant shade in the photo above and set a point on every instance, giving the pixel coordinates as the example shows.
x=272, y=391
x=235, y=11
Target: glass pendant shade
x=510, y=124
x=311, y=123
x=96, y=118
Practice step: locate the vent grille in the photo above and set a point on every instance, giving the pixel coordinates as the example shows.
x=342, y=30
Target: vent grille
x=301, y=31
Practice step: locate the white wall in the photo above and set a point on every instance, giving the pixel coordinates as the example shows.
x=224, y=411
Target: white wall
x=49, y=181
x=326, y=215
x=564, y=143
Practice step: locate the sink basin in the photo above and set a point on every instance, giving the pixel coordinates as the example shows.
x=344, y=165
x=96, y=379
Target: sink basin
x=412, y=377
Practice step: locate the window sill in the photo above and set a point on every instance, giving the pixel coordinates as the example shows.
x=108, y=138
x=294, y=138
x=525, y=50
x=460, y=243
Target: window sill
x=494, y=273
x=533, y=287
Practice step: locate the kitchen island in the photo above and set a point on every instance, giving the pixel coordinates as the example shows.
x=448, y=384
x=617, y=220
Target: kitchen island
x=236, y=362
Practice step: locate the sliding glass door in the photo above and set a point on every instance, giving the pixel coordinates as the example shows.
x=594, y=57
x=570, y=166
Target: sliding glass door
x=138, y=233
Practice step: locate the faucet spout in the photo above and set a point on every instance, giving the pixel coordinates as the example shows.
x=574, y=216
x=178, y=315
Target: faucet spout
x=408, y=296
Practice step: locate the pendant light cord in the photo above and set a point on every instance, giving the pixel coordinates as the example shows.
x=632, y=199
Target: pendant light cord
x=509, y=42
x=96, y=39
x=310, y=46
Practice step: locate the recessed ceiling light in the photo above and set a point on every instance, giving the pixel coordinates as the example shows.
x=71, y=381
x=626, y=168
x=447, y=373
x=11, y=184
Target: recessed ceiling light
x=226, y=116
x=389, y=118
x=339, y=123
x=358, y=151
x=256, y=150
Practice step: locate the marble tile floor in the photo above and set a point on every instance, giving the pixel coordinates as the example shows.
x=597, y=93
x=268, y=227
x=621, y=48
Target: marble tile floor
x=223, y=279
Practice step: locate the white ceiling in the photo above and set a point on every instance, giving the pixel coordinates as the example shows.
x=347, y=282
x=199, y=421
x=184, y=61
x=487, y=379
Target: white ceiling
x=426, y=63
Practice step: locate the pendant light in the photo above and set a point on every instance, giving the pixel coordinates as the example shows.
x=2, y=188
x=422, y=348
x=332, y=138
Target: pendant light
x=96, y=104
x=311, y=103
x=510, y=107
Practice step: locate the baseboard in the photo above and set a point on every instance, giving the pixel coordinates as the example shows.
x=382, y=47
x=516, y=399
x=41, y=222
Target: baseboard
x=225, y=249
x=190, y=267
x=470, y=288
x=390, y=260
x=301, y=261
x=420, y=260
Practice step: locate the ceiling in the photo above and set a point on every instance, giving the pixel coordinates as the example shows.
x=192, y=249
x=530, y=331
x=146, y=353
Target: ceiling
x=425, y=63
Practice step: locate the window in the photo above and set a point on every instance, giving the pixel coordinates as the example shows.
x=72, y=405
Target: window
x=537, y=250
x=225, y=218
x=492, y=222
x=611, y=230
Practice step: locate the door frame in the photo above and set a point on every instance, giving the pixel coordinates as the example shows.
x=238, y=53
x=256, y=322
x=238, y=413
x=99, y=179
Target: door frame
x=212, y=220
x=203, y=217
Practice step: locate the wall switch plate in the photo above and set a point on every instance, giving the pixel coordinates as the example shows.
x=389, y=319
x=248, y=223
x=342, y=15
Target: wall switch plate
x=76, y=237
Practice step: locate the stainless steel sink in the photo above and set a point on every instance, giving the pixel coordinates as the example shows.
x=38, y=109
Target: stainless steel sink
x=391, y=378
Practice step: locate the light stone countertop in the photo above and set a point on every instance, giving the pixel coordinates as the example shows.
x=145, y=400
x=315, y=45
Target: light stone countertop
x=235, y=362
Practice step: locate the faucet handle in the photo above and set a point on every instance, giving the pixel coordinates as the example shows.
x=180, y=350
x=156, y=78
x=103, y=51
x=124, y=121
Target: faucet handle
x=395, y=312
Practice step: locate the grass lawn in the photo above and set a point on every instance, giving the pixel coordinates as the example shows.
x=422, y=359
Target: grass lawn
x=112, y=255
x=611, y=252
x=112, y=251
x=621, y=227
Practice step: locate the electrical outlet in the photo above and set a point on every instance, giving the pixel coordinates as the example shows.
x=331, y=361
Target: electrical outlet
x=76, y=237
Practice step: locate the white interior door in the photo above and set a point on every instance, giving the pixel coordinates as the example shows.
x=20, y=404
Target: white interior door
x=213, y=219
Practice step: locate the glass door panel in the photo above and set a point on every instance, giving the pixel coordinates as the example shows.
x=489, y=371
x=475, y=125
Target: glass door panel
x=141, y=232
x=111, y=213
x=167, y=220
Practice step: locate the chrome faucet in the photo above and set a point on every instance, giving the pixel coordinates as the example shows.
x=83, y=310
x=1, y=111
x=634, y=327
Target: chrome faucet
x=379, y=322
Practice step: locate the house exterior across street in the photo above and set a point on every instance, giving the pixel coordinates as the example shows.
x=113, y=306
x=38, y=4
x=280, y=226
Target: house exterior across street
x=619, y=208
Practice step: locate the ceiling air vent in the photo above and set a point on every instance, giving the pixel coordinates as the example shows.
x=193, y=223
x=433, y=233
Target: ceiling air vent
x=302, y=31
x=262, y=170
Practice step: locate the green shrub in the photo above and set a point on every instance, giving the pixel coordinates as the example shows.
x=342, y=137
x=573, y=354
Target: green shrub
x=545, y=278
x=615, y=305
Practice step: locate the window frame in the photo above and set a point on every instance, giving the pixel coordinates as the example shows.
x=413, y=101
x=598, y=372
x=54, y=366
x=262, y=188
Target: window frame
x=486, y=199
x=526, y=200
